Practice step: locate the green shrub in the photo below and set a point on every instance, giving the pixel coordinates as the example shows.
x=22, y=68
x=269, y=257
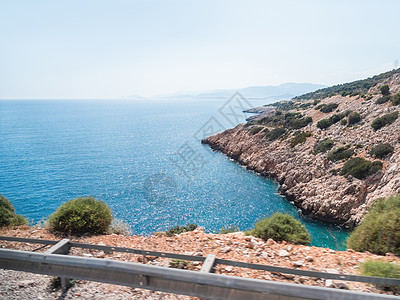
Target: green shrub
x=384, y=90
x=323, y=146
x=299, y=138
x=396, y=99
x=341, y=153
x=380, y=268
x=7, y=214
x=323, y=124
x=255, y=129
x=327, y=108
x=381, y=150
x=360, y=168
x=316, y=102
x=299, y=123
x=383, y=99
x=334, y=172
x=180, y=229
x=81, y=215
x=354, y=118
x=336, y=118
x=275, y=133
x=379, y=232
x=387, y=119
x=282, y=227
x=343, y=122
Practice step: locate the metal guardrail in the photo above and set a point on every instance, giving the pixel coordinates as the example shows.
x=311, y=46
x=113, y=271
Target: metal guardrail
x=200, y=284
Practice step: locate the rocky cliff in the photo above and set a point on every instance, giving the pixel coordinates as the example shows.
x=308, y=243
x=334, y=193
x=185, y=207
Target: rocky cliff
x=314, y=181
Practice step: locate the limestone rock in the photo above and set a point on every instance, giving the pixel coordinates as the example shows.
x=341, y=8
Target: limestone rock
x=305, y=178
x=283, y=253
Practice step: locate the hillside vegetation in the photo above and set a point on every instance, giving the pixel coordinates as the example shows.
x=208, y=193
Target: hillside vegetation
x=354, y=88
x=334, y=152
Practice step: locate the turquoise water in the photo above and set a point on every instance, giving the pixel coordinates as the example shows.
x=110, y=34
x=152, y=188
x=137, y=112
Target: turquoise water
x=126, y=153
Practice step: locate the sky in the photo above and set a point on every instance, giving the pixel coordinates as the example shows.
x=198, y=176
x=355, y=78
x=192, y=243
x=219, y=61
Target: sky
x=117, y=48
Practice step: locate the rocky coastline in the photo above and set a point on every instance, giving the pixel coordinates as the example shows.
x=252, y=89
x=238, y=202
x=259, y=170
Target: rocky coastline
x=311, y=180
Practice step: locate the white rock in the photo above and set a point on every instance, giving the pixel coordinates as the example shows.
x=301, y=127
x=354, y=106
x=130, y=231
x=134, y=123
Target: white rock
x=309, y=259
x=329, y=283
x=297, y=264
x=229, y=269
x=25, y=283
x=283, y=253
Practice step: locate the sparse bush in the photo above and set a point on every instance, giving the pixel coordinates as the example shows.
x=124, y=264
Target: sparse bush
x=380, y=268
x=255, y=129
x=275, y=133
x=329, y=107
x=316, y=102
x=300, y=123
x=341, y=153
x=180, y=229
x=385, y=120
x=396, y=99
x=334, y=172
x=343, y=122
x=383, y=99
x=354, y=118
x=336, y=118
x=7, y=214
x=323, y=146
x=379, y=232
x=299, y=138
x=179, y=263
x=381, y=150
x=120, y=227
x=384, y=90
x=323, y=124
x=229, y=229
x=360, y=168
x=282, y=227
x=81, y=215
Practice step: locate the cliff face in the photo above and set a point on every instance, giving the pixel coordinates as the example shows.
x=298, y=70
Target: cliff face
x=309, y=179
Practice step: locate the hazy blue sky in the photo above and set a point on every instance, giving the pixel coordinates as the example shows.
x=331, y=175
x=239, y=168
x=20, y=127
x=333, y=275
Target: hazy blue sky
x=84, y=48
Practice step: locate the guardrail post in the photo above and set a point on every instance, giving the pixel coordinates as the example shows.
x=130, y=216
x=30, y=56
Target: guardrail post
x=62, y=247
x=208, y=264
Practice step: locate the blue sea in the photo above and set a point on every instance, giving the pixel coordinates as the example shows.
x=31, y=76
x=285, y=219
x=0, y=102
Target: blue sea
x=143, y=158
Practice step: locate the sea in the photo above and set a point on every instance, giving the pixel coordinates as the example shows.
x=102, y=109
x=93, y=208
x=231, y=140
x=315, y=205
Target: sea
x=143, y=158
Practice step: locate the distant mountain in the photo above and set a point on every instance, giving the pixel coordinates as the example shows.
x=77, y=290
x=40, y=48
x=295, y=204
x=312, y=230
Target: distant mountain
x=284, y=91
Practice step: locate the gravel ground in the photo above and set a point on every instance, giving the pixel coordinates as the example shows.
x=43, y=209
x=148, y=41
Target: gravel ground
x=234, y=246
x=22, y=285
